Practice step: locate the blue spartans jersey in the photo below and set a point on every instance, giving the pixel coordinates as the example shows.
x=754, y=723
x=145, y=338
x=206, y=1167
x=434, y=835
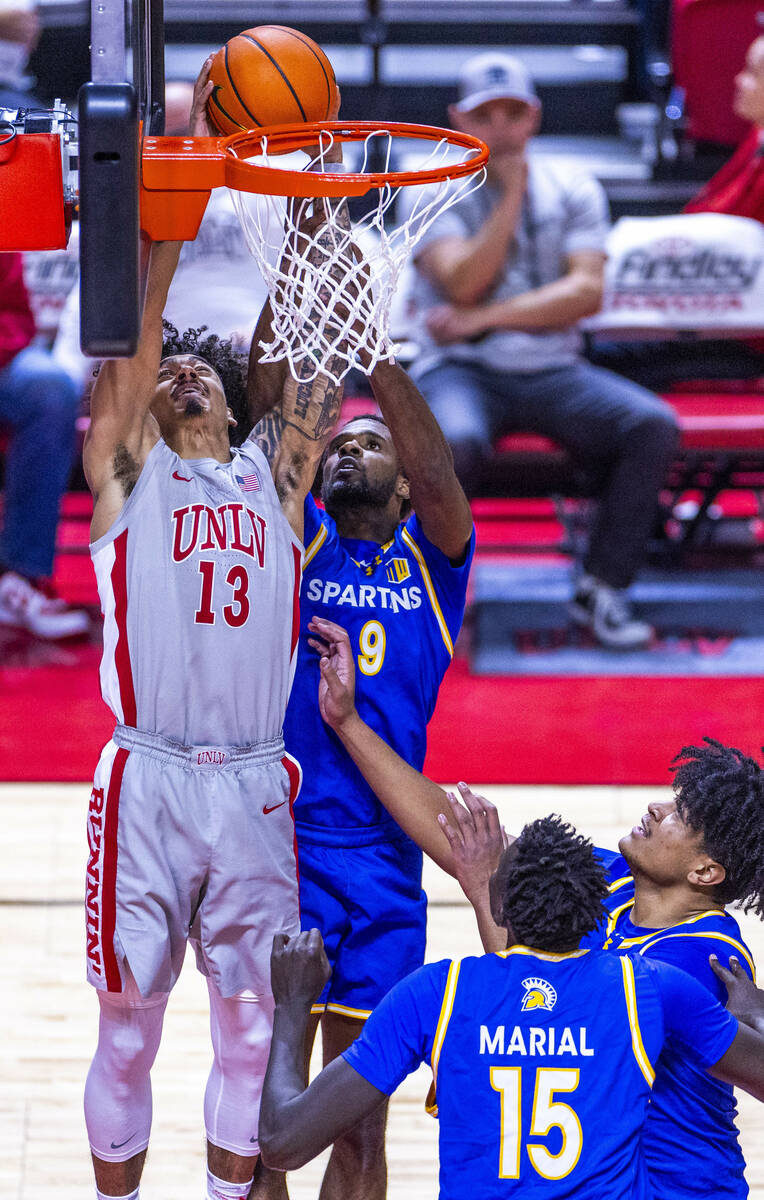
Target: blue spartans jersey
x=543, y=1065
x=691, y=1142
x=402, y=605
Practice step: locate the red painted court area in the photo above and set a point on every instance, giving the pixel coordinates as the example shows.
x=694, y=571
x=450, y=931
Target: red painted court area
x=493, y=729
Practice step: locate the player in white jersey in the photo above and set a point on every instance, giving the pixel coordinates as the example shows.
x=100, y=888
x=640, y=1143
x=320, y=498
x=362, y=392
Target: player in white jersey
x=197, y=550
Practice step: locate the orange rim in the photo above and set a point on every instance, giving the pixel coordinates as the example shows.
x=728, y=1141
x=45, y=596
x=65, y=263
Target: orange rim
x=176, y=163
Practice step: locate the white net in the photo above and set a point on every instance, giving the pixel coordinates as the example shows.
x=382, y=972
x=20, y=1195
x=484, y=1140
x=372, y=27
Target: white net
x=331, y=282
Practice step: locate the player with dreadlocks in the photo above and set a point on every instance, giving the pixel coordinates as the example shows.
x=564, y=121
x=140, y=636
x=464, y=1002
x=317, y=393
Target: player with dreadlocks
x=506, y=1035
x=197, y=549
x=691, y=854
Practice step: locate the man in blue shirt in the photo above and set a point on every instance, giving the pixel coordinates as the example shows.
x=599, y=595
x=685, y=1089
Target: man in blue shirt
x=690, y=855
x=506, y=1036
x=397, y=580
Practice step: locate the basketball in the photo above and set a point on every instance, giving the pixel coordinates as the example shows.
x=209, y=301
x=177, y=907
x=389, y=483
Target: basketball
x=269, y=75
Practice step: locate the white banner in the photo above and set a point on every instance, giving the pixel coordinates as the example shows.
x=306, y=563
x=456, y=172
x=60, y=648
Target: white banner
x=702, y=272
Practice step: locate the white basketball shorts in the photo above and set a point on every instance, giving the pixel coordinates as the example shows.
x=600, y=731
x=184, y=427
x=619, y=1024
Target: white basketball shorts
x=189, y=842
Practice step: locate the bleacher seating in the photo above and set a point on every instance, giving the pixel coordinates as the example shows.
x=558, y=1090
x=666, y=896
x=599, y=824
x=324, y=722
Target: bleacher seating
x=721, y=451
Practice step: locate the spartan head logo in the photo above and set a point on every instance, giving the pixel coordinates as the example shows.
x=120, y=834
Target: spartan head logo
x=538, y=994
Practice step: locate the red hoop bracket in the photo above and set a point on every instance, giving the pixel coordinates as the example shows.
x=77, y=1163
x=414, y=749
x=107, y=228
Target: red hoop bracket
x=178, y=173
x=30, y=166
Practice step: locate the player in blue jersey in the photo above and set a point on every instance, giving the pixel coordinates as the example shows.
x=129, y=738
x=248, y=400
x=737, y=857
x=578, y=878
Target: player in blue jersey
x=690, y=855
x=543, y=1055
x=398, y=583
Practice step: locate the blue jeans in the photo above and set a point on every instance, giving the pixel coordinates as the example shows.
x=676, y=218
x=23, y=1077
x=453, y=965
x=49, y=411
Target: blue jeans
x=38, y=404
x=625, y=432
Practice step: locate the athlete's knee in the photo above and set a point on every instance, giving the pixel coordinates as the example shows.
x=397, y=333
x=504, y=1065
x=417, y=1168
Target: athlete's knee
x=129, y=1032
x=241, y=1033
x=241, y=1030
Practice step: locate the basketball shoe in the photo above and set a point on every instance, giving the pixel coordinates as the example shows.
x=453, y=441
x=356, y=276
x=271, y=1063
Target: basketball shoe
x=27, y=605
x=606, y=611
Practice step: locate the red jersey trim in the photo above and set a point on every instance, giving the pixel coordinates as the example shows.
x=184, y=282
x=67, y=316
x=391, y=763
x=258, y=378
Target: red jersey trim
x=122, y=650
x=109, y=872
x=297, y=555
x=294, y=771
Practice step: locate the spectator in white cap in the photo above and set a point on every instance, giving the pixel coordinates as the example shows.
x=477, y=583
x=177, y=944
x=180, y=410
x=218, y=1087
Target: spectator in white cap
x=502, y=280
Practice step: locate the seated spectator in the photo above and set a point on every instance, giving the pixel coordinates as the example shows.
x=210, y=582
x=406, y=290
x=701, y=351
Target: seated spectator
x=737, y=190
x=38, y=405
x=19, y=31
x=502, y=279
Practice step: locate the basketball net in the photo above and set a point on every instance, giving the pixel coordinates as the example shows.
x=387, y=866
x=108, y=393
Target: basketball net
x=331, y=284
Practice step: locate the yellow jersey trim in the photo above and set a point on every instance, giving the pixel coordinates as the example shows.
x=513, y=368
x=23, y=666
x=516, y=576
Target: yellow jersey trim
x=619, y=883
x=343, y=1011
x=545, y=954
x=446, y=1008
x=408, y=539
x=656, y=934
x=630, y=992
x=721, y=937
x=312, y=550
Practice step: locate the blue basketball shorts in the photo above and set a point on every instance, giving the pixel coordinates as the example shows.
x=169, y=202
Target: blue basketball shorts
x=368, y=903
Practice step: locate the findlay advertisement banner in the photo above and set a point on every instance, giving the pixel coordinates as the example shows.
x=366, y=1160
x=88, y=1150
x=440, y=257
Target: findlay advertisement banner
x=694, y=271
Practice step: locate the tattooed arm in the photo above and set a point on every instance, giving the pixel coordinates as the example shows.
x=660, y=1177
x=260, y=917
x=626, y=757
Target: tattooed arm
x=295, y=416
x=122, y=431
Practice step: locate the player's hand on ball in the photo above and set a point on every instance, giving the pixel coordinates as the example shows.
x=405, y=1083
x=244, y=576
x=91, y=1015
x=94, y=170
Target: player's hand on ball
x=476, y=837
x=299, y=967
x=744, y=1000
x=336, y=688
x=199, y=124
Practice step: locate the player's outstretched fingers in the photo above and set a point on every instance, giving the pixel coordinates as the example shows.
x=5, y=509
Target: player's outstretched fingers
x=330, y=631
x=478, y=805
x=727, y=976
x=462, y=815
x=199, y=124
x=453, y=834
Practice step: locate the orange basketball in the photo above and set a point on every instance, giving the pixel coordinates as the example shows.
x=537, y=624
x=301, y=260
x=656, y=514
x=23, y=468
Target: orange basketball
x=270, y=75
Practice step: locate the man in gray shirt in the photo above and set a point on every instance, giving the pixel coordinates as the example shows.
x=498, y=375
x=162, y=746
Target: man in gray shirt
x=502, y=279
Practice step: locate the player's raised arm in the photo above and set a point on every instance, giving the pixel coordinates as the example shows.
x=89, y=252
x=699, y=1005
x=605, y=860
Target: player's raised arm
x=297, y=1123
x=744, y=1000
x=426, y=460
x=122, y=431
x=743, y=1064
x=413, y=800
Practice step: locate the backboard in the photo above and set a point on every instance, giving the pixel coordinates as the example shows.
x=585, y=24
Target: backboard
x=123, y=102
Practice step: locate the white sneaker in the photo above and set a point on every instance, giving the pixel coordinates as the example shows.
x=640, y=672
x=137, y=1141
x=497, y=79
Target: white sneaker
x=26, y=606
x=607, y=612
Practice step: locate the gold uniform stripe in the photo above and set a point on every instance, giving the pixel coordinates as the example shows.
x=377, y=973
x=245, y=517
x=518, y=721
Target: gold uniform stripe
x=619, y=883
x=721, y=937
x=344, y=1011
x=408, y=539
x=630, y=992
x=546, y=954
x=314, y=547
x=446, y=1008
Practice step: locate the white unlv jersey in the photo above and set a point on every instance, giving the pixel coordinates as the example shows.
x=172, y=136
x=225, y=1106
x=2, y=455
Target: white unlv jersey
x=199, y=581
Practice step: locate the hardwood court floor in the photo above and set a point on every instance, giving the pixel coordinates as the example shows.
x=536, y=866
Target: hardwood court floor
x=50, y=1013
